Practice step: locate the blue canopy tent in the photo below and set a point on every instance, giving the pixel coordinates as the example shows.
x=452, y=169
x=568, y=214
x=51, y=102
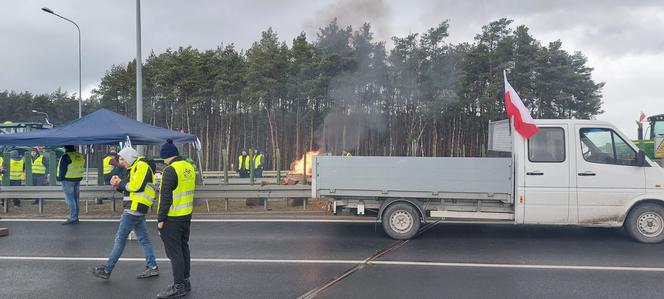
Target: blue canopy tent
x=100, y=127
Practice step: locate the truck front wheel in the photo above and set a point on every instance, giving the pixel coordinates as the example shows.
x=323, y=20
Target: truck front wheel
x=401, y=221
x=645, y=223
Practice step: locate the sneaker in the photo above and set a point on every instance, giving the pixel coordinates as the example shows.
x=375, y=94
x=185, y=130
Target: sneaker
x=69, y=221
x=187, y=285
x=173, y=291
x=101, y=272
x=148, y=272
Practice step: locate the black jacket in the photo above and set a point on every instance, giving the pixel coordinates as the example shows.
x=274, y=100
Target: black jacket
x=169, y=181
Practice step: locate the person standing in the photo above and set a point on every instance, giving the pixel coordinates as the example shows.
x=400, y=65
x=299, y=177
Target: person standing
x=109, y=164
x=243, y=164
x=39, y=171
x=139, y=195
x=16, y=173
x=176, y=204
x=259, y=162
x=70, y=173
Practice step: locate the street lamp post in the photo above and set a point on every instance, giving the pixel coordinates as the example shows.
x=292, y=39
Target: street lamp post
x=80, y=89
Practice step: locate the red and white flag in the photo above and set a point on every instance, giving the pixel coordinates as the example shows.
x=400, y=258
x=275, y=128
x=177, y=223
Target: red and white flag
x=642, y=117
x=517, y=111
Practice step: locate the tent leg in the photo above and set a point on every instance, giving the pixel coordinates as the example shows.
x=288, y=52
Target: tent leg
x=207, y=203
x=86, y=206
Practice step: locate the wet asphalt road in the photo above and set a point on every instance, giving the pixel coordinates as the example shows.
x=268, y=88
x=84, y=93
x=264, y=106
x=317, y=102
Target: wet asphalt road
x=289, y=259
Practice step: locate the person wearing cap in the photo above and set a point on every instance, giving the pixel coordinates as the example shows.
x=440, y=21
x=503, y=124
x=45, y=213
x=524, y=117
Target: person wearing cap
x=39, y=170
x=139, y=194
x=16, y=173
x=110, y=166
x=176, y=204
x=259, y=163
x=243, y=164
x=70, y=173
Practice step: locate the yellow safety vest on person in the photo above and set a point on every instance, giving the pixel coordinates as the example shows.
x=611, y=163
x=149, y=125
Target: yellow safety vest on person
x=107, y=164
x=243, y=163
x=137, y=174
x=258, y=161
x=38, y=166
x=183, y=195
x=16, y=169
x=2, y=165
x=75, y=169
x=348, y=155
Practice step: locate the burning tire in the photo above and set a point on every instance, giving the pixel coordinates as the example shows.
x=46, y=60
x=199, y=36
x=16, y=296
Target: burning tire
x=401, y=221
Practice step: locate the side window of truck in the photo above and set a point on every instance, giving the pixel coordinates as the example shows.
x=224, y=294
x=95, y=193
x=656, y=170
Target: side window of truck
x=548, y=146
x=604, y=146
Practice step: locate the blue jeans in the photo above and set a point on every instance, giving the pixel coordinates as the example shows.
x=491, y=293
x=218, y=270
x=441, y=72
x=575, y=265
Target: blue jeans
x=72, y=197
x=127, y=223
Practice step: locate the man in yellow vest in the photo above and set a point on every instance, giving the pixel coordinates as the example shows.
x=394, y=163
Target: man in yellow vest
x=39, y=177
x=16, y=173
x=139, y=194
x=109, y=164
x=259, y=163
x=243, y=164
x=70, y=173
x=176, y=204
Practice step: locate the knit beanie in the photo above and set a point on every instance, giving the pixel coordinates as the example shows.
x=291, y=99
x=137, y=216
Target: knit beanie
x=168, y=150
x=129, y=154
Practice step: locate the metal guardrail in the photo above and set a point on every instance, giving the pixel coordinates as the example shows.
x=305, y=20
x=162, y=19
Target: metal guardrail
x=208, y=192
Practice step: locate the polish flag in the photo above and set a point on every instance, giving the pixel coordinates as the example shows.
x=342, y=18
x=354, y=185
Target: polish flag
x=642, y=118
x=517, y=111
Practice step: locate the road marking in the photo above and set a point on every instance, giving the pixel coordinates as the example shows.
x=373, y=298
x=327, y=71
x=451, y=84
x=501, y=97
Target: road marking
x=258, y=220
x=374, y=262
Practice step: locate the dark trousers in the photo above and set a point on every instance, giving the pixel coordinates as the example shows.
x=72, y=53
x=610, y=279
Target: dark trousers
x=175, y=235
x=39, y=180
x=17, y=202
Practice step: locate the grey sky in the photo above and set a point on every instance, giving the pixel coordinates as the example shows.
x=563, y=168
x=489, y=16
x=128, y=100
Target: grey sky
x=620, y=38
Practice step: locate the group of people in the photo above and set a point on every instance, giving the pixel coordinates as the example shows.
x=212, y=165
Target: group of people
x=244, y=162
x=131, y=174
x=17, y=169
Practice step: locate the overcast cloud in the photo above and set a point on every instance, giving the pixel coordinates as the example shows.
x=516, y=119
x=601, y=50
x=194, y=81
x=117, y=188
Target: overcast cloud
x=622, y=39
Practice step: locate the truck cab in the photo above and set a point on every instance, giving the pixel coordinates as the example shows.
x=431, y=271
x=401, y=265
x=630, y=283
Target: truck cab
x=573, y=172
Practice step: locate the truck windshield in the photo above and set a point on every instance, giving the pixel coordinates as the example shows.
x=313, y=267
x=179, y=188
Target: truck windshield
x=658, y=128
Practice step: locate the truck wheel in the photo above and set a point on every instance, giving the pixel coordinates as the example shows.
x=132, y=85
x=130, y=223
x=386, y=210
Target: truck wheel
x=645, y=223
x=401, y=221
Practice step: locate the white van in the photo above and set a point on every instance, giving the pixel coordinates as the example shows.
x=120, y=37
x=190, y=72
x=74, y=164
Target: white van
x=573, y=172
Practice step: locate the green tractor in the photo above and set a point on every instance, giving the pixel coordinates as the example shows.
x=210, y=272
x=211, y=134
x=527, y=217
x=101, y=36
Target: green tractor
x=653, y=146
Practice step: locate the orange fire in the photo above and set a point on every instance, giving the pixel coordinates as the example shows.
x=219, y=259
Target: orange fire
x=297, y=167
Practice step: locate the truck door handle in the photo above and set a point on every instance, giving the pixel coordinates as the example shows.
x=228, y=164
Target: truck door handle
x=534, y=173
x=587, y=173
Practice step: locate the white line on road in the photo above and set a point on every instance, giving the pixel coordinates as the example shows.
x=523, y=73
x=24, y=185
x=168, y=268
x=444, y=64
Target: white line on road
x=258, y=220
x=385, y=263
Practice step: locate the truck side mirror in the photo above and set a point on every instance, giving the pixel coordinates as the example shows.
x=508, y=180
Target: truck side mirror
x=641, y=158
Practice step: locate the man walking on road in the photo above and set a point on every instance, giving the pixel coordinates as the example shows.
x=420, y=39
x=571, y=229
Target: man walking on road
x=70, y=173
x=176, y=204
x=139, y=194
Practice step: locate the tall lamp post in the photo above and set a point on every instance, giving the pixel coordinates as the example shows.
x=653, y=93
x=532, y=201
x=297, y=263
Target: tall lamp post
x=80, y=89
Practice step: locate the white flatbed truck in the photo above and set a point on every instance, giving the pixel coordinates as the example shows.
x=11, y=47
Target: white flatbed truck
x=573, y=172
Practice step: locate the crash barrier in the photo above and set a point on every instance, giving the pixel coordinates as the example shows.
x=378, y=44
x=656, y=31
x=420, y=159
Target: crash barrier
x=206, y=193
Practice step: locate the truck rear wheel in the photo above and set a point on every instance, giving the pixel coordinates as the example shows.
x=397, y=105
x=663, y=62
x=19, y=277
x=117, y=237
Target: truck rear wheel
x=401, y=221
x=645, y=223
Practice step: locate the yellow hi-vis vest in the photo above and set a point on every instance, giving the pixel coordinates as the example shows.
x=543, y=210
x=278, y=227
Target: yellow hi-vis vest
x=15, y=169
x=137, y=173
x=38, y=166
x=107, y=164
x=75, y=169
x=183, y=195
x=243, y=163
x=2, y=161
x=258, y=161
x=348, y=155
